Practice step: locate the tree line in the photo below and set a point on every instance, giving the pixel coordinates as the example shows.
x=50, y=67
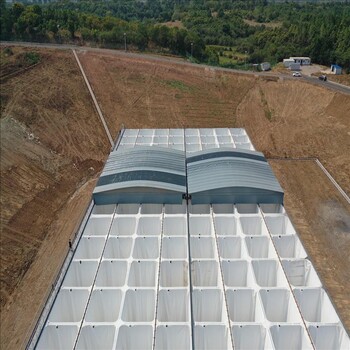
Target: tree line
x=265, y=31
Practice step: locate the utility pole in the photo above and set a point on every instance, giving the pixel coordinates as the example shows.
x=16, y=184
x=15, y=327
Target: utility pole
x=245, y=59
x=125, y=48
x=191, y=49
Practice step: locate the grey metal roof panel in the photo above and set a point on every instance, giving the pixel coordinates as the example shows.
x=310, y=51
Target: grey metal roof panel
x=231, y=176
x=138, y=158
x=224, y=152
x=158, y=173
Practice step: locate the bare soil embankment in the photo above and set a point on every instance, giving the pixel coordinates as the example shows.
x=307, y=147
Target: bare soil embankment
x=52, y=144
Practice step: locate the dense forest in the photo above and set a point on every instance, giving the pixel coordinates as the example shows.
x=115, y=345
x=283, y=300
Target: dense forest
x=217, y=32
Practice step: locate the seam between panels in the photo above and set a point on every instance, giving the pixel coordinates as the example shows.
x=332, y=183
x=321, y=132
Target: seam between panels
x=158, y=279
x=94, y=281
x=285, y=275
x=222, y=279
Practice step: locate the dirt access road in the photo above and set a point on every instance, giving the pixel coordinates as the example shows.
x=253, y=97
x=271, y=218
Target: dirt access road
x=338, y=87
x=53, y=147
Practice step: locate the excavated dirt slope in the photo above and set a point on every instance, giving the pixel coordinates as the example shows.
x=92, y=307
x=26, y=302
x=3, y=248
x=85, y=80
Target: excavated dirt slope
x=53, y=147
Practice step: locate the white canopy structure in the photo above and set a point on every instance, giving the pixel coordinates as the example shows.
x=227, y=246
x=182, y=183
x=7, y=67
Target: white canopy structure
x=190, y=276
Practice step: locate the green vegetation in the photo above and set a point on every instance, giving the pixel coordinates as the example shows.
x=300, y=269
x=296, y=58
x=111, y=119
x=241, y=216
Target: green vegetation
x=179, y=85
x=222, y=32
x=31, y=58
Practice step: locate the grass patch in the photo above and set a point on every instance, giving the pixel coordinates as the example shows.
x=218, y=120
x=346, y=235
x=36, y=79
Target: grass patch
x=178, y=85
x=31, y=57
x=267, y=111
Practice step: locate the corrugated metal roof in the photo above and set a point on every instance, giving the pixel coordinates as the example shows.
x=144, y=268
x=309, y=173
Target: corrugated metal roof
x=156, y=172
x=225, y=152
x=232, y=177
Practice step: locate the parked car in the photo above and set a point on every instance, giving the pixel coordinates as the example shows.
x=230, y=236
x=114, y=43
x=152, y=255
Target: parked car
x=296, y=74
x=323, y=77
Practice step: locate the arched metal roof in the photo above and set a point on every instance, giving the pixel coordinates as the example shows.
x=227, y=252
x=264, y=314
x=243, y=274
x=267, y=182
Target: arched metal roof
x=231, y=177
x=142, y=174
x=150, y=174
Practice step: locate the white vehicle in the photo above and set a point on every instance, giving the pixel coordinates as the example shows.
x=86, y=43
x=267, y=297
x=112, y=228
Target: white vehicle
x=296, y=74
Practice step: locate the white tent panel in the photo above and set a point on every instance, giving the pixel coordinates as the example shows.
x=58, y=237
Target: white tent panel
x=56, y=337
x=244, y=305
x=291, y=337
x=69, y=306
x=112, y=273
x=139, y=305
x=173, y=305
x=315, y=305
x=212, y=337
x=231, y=247
x=268, y=273
x=260, y=247
x=89, y=248
x=118, y=248
x=80, y=274
x=301, y=273
x=96, y=337
x=289, y=246
x=142, y=274
x=173, y=337
x=205, y=273
x=135, y=337
x=327, y=337
x=237, y=273
x=174, y=273
x=104, y=305
x=279, y=305
x=208, y=305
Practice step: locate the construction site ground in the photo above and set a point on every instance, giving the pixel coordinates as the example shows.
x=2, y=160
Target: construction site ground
x=53, y=147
